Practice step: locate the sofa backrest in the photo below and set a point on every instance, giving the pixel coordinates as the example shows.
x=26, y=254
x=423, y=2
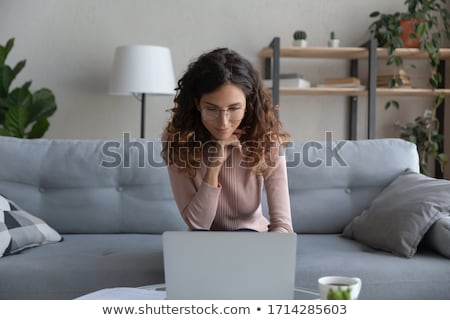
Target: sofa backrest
x=332, y=182
x=82, y=186
x=87, y=186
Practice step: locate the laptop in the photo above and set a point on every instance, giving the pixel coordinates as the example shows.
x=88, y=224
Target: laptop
x=229, y=265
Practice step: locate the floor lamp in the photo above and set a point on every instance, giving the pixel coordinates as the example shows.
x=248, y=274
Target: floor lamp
x=139, y=70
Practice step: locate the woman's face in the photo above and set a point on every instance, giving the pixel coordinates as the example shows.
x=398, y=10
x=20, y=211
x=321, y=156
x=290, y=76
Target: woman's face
x=223, y=110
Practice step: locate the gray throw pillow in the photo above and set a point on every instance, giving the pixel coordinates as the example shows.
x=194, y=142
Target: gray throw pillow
x=401, y=214
x=438, y=237
x=20, y=230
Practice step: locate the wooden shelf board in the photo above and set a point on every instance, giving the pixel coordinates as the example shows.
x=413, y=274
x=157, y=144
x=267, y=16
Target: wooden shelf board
x=362, y=92
x=317, y=52
x=410, y=92
x=349, y=53
x=323, y=91
x=408, y=53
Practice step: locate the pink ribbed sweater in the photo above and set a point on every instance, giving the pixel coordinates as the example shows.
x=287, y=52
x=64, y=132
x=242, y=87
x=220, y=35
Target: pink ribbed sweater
x=236, y=202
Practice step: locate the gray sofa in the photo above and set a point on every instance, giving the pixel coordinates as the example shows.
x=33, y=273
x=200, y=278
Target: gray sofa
x=112, y=200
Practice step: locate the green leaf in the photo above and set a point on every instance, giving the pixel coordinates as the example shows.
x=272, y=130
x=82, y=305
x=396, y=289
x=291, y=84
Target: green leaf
x=3, y=105
x=6, y=77
x=390, y=50
x=442, y=158
x=19, y=97
x=339, y=294
x=391, y=83
x=15, y=121
x=38, y=129
x=434, y=81
x=4, y=132
x=439, y=99
x=26, y=85
x=421, y=28
x=396, y=104
x=43, y=104
x=4, y=51
x=374, y=14
x=398, y=61
x=9, y=45
x=387, y=105
x=424, y=169
x=18, y=67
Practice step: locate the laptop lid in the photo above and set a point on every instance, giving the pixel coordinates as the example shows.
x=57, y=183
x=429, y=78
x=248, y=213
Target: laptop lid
x=229, y=265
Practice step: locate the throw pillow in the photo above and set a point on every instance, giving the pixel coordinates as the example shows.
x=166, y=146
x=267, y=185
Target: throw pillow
x=401, y=214
x=20, y=230
x=438, y=237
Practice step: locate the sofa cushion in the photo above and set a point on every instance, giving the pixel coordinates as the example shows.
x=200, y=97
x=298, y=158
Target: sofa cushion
x=438, y=237
x=90, y=186
x=20, y=230
x=5, y=239
x=82, y=263
x=344, y=176
x=401, y=214
x=383, y=275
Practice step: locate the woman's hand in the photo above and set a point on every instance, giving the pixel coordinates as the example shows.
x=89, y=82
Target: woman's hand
x=217, y=152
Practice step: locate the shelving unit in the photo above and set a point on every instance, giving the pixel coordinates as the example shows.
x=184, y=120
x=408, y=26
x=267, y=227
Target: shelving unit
x=273, y=54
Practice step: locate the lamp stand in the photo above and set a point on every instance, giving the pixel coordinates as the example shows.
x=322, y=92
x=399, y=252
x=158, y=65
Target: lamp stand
x=142, y=115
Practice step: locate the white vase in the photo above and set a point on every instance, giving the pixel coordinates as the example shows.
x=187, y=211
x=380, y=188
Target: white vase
x=300, y=43
x=333, y=43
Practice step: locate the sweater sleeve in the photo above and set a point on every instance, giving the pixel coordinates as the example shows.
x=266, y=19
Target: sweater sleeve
x=197, y=205
x=277, y=190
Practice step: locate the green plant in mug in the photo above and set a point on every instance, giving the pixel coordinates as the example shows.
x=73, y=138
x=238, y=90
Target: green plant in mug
x=23, y=113
x=339, y=294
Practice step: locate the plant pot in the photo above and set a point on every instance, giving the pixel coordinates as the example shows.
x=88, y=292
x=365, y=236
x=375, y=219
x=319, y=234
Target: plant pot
x=407, y=27
x=333, y=43
x=300, y=43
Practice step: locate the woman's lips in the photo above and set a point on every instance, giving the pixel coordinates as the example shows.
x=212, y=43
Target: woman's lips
x=222, y=131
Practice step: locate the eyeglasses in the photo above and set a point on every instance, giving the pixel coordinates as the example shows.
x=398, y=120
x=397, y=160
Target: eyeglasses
x=233, y=114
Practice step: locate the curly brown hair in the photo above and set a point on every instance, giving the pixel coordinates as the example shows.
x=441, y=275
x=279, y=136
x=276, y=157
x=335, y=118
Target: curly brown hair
x=259, y=131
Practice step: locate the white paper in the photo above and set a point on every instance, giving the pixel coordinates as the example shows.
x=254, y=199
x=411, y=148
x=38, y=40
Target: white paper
x=124, y=293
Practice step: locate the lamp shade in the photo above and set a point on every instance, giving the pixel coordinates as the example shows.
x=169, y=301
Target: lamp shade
x=142, y=69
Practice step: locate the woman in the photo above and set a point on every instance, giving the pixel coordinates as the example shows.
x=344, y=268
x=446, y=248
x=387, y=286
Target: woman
x=222, y=145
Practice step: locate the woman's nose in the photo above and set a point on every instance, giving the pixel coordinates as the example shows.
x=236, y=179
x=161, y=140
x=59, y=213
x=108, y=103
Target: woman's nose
x=223, y=116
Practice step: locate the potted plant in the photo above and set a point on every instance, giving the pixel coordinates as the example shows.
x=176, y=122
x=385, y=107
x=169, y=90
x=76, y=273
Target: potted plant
x=23, y=114
x=300, y=38
x=429, y=23
x=333, y=42
x=424, y=132
x=422, y=25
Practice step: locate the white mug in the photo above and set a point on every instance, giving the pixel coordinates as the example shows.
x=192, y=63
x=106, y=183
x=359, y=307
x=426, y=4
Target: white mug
x=339, y=283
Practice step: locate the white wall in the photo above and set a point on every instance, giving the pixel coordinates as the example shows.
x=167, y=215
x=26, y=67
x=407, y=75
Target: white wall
x=69, y=47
